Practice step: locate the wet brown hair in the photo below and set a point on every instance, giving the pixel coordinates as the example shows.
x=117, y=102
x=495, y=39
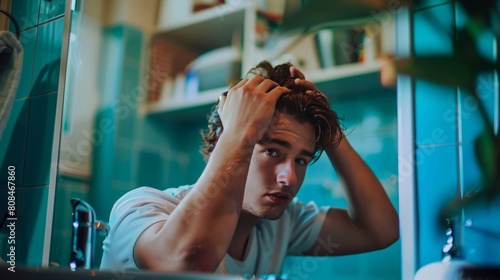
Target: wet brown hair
x=313, y=108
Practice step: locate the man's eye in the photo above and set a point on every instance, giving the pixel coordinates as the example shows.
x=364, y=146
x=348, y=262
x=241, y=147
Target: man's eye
x=302, y=162
x=272, y=153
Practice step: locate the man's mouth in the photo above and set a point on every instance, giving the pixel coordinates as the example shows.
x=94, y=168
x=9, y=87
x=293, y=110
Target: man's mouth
x=278, y=198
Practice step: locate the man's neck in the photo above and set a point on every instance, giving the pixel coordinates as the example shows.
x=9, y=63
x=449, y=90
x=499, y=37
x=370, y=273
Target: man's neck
x=239, y=243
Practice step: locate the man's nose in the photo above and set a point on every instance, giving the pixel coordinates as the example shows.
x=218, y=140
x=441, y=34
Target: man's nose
x=286, y=174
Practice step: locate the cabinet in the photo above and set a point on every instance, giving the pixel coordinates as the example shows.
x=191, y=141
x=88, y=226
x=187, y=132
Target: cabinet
x=221, y=26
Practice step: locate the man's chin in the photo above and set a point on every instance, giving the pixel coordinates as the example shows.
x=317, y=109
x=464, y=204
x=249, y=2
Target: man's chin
x=274, y=215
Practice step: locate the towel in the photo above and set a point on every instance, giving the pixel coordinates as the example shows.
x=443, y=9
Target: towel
x=11, y=64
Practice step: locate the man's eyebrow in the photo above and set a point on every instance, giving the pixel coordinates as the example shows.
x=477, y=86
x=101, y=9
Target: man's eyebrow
x=285, y=144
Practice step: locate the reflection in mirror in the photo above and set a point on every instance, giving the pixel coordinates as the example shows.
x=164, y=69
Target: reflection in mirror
x=113, y=142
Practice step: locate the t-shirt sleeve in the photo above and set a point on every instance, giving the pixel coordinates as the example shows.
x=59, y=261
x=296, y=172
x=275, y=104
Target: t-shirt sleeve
x=306, y=223
x=130, y=216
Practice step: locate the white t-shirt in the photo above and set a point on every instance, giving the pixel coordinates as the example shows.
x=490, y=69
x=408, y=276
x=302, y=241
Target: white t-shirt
x=270, y=240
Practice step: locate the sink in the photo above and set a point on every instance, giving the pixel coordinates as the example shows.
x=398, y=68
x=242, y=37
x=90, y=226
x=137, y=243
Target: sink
x=37, y=273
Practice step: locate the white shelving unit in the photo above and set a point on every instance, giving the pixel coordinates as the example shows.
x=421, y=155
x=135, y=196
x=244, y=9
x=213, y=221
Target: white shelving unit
x=207, y=29
x=215, y=28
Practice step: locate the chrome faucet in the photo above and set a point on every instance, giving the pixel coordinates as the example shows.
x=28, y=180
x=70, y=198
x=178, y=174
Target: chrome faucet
x=450, y=249
x=84, y=230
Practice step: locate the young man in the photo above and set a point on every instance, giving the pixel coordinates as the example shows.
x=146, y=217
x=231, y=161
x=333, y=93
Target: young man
x=240, y=217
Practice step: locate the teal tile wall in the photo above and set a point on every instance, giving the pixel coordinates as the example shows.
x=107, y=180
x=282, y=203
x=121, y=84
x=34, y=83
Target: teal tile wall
x=152, y=173
x=102, y=166
x=13, y=141
x=31, y=221
x=27, y=142
x=39, y=142
x=51, y=9
x=132, y=92
x=472, y=120
x=435, y=114
x=449, y=167
x=28, y=41
x=25, y=12
x=48, y=57
x=123, y=168
x=437, y=179
x=434, y=30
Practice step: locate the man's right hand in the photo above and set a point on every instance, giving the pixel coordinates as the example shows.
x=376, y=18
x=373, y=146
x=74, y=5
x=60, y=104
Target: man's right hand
x=249, y=107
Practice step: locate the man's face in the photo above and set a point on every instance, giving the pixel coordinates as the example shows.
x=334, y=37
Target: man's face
x=278, y=167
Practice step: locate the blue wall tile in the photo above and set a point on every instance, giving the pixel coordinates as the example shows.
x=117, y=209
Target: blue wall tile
x=126, y=110
x=13, y=141
x=31, y=231
x=319, y=171
x=433, y=30
x=25, y=12
x=130, y=93
x=437, y=177
x=151, y=169
x=122, y=168
x=472, y=119
x=39, y=142
x=103, y=165
x=48, y=57
x=435, y=114
x=472, y=176
x=51, y=9
x=28, y=40
x=111, y=59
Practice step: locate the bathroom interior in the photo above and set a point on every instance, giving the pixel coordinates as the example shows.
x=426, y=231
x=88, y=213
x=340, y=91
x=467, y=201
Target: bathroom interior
x=113, y=94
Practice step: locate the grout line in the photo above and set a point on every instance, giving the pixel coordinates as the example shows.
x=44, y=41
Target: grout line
x=432, y=6
x=26, y=139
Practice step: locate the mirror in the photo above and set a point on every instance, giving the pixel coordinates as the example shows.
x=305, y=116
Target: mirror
x=115, y=140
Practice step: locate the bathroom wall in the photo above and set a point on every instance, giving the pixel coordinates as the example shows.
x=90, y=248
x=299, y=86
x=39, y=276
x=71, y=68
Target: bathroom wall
x=447, y=122
x=27, y=140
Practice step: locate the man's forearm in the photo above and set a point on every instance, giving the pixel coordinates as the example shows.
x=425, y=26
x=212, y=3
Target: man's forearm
x=200, y=229
x=368, y=205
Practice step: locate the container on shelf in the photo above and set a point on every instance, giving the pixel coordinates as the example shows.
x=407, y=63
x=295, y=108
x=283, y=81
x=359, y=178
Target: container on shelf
x=214, y=69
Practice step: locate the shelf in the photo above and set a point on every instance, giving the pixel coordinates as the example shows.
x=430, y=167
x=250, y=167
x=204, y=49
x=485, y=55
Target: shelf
x=342, y=71
x=206, y=30
x=183, y=109
x=348, y=80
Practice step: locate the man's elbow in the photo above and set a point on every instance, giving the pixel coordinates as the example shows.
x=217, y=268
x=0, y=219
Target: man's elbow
x=389, y=236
